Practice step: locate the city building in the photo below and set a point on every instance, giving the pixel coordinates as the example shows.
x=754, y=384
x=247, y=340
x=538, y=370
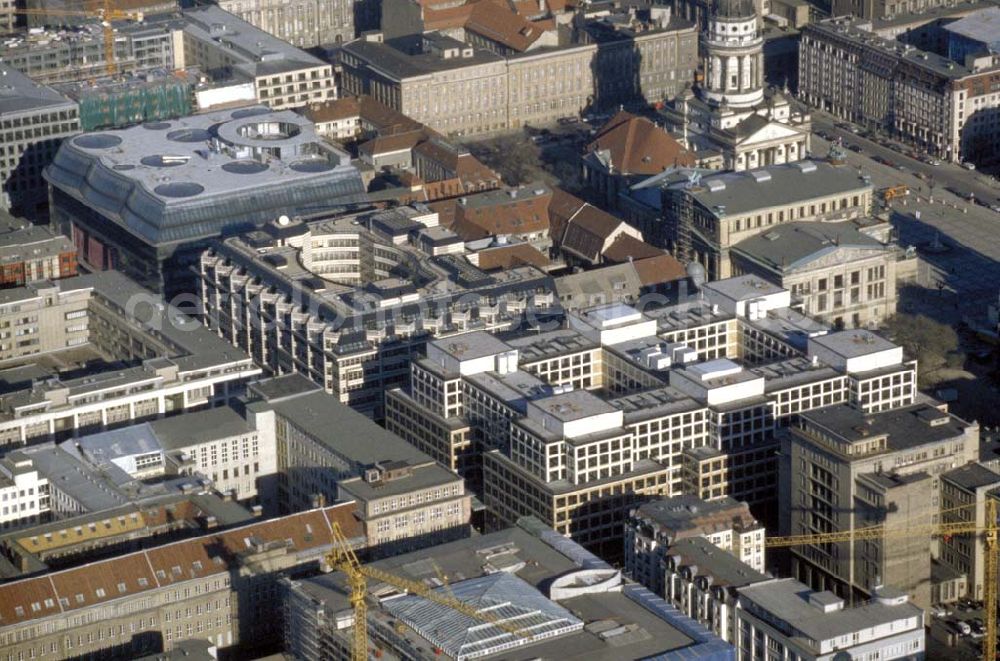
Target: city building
x=147, y=200
x=303, y=23
x=842, y=273
x=34, y=120
x=732, y=114
x=964, y=492
x=222, y=44
x=844, y=469
x=785, y=618
x=626, y=150
x=76, y=53
x=577, y=424
x=24, y=493
x=73, y=539
x=940, y=106
x=220, y=587
x=702, y=217
x=327, y=452
x=73, y=13
x=551, y=598
x=703, y=583
x=149, y=95
x=655, y=527
x=32, y=253
x=886, y=10
x=364, y=305
x=126, y=357
x=459, y=88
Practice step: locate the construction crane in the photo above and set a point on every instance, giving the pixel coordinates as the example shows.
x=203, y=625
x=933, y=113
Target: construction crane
x=990, y=532
x=343, y=558
x=107, y=13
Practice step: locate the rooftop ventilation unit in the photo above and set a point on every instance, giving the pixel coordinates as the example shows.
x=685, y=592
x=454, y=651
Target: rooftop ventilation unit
x=806, y=166
x=715, y=185
x=760, y=176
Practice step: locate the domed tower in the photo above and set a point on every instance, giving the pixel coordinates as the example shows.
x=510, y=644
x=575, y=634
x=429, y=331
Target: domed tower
x=734, y=55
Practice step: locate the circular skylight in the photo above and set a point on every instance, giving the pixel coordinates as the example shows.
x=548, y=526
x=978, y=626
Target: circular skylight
x=311, y=165
x=249, y=112
x=157, y=126
x=179, y=189
x=189, y=135
x=244, y=167
x=157, y=161
x=97, y=141
x=124, y=166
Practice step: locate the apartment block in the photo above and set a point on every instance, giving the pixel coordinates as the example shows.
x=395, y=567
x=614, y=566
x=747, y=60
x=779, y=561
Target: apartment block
x=653, y=529
x=327, y=452
x=30, y=253
x=24, y=493
x=703, y=217
x=964, y=492
x=220, y=588
x=175, y=363
x=42, y=317
x=437, y=85
x=938, y=105
x=303, y=23
x=215, y=40
x=676, y=410
x=347, y=307
x=34, y=119
x=784, y=617
x=703, y=584
x=889, y=466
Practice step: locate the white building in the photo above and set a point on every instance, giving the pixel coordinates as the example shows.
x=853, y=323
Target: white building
x=784, y=619
x=24, y=493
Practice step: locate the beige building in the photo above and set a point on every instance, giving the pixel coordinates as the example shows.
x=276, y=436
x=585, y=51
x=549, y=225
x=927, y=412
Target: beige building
x=939, y=106
x=329, y=452
x=841, y=273
x=460, y=89
x=845, y=470
x=283, y=76
x=220, y=588
x=302, y=23
x=42, y=318
x=964, y=492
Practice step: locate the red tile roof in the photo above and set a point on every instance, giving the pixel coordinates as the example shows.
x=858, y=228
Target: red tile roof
x=627, y=247
x=497, y=22
x=506, y=257
x=637, y=146
x=659, y=269
x=63, y=591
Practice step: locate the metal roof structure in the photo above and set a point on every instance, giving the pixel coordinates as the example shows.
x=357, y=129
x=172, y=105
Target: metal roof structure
x=205, y=175
x=505, y=596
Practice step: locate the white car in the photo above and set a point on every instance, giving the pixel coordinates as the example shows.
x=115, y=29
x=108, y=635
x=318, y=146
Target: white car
x=969, y=166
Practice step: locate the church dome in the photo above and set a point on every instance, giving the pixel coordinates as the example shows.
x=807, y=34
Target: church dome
x=733, y=9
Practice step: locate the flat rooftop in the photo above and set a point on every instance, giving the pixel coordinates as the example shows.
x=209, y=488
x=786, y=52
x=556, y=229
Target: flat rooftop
x=187, y=429
x=742, y=288
x=853, y=343
x=470, y=346
x=20, y=95
x=739, y=193
x=529, y=561
x=972, y=476
x=905, y=428
x=788, y=601
x=573, y=405
x=724, y=567
x=391, y=60
x=689, y=314
x=654, y=403
x=551, y=344
x=515, y=389
x=793, y=372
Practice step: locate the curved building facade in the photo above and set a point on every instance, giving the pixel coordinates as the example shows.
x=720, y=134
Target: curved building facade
x=146, y=200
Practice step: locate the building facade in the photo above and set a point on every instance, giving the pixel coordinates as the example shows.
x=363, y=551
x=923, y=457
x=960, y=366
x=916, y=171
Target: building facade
x=304, y=23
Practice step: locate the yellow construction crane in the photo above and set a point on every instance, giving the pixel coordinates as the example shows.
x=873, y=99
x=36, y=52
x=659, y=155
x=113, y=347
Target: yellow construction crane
x=343, y=558
x=990, y=532
x=106, y=13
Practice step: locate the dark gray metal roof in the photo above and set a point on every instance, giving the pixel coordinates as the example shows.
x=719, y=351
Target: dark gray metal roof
x=788, y=246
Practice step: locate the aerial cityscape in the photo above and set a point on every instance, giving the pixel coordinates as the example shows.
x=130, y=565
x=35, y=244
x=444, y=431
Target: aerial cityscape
x=525, y=330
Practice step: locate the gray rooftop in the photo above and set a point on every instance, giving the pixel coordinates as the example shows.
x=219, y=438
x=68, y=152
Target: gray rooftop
x=788, y=601
x=20, y=95
x=551, y=344
x=781, y=185
x=725, y=568
x=684, y=512
x=470, y=346
x=741, y=288
x=906, y=428
x=972, y=476
x=532, y=560
x=794, y=245
x=515, y=389
x=92, y=489
x=103, y=447
x=344, y=431
x=793, y=372
x=205, y=175
x=391, y=60
x=654, y=403
x=853, y=343
x=983, y=26
x=573, y=405
x=424, y=476
x=187, y=429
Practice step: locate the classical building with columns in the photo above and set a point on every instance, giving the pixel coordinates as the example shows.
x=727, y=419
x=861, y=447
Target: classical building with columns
x=730, y=113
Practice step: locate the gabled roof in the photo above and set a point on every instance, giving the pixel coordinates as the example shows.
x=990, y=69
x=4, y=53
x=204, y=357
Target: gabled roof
x=659, y=269
x=499, y=212
x=627, y=247
x=497, y=22
x=133, y=573
x=587, y=231
x=637, y=146
x=388, y=144
x=506, y=257
x=562, y=207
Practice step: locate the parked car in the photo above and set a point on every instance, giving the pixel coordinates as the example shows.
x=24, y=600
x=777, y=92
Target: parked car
x=855, y=148
x=568, y=120
x=940, y=610
x=969, y=166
